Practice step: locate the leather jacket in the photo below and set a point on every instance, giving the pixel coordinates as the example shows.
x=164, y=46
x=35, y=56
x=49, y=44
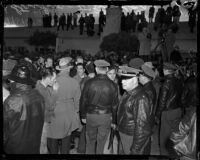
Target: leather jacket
x=151, y=91
x=169, y=95
x=133, y=118
x=184, y=136
x=23, y=116
x=99, y=96
x=190, y=95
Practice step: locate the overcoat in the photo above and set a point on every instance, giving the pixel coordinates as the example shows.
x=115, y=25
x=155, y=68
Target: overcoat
x=66, y=110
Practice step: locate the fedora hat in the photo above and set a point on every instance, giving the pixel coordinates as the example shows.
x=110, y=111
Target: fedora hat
x=64, y=63
x=21, y=74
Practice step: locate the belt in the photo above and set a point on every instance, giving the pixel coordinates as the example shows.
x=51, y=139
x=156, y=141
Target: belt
x=98, y=112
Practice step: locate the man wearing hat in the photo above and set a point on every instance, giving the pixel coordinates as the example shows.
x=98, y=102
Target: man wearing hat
x=133, y=114
x=145, y=79
x=23, y=115
x=66, y=109
x=168, y=109
x=98, y=106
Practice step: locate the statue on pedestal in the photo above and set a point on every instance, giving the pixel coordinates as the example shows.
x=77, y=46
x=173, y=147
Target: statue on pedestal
x=113, y=20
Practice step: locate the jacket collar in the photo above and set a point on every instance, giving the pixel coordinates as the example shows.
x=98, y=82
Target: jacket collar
x=21, y=88
x=40, y=85
x=102, y=76
x=64, y=74
x=135, y=90
x=148, y=84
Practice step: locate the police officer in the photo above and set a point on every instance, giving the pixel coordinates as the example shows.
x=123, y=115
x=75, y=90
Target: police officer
x=98, y=105
x=133, y=114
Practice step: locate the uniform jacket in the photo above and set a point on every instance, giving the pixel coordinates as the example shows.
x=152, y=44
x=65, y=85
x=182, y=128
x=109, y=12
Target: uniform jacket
x=99, y=94
x=170, y=95
x=185, y=135
x=66, y=110
x=23, y=116
x=134, y=118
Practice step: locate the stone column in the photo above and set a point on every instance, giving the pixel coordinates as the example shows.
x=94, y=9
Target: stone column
x=113, y=20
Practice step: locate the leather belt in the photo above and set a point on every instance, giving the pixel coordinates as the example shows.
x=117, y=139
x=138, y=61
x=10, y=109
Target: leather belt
x=98, y=112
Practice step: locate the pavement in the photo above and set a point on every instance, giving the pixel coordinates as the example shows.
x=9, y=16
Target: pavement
x=154, y=144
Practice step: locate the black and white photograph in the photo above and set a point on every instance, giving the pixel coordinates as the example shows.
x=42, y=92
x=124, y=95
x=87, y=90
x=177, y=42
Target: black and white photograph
x=105, y=79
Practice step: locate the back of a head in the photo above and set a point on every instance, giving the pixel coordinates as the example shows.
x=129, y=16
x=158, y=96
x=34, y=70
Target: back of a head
x=101, y=70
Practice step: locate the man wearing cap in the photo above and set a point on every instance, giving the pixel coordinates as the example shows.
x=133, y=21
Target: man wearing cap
x=66, y=109
x=145, y=79
x=98, y=106
x=133, y=115
x=23, y=115
x=168, y=109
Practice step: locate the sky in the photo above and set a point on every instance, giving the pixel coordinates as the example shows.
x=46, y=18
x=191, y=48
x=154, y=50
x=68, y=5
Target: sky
x=17, y=15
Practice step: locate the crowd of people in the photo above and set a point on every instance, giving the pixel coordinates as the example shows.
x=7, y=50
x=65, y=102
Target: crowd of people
x=59, y=102
x=129, y=21
x=71, y=21
x=51, y=103
x=165, y=22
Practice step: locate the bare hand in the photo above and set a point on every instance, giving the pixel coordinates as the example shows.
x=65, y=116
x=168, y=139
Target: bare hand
x=83, y=120
x=114, y=126
x=55, y=86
